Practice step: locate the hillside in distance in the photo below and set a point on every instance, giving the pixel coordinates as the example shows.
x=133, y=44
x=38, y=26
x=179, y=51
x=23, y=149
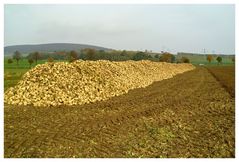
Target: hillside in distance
x=51, y=47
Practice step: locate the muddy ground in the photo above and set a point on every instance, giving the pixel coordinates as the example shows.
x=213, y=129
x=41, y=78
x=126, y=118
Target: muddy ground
x=190, y=115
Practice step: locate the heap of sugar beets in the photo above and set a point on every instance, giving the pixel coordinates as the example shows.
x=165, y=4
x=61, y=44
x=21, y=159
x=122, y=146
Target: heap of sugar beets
x=81, y=82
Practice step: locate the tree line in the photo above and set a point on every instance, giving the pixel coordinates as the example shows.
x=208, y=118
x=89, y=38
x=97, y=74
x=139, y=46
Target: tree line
x=92, y=54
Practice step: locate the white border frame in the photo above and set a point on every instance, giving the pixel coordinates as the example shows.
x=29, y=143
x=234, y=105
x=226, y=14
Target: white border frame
x=110, y=2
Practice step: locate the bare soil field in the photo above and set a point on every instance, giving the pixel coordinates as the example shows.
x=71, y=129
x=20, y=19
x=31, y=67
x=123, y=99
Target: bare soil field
x=189, y=115
x=226, y=76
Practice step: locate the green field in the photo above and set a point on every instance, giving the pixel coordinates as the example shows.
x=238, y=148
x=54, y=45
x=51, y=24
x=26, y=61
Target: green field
x=201, y=59
x=23, y=64
x=14, y=72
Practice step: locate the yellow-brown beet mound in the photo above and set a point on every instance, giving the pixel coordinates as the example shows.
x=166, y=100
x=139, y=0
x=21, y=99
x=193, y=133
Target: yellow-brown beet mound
x=81, y=82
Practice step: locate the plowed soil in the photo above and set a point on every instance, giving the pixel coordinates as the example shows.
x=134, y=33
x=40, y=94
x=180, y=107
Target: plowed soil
x=189, y=115
x=226, y=76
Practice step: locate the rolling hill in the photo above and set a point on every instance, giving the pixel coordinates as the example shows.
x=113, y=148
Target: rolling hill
x=25, y=49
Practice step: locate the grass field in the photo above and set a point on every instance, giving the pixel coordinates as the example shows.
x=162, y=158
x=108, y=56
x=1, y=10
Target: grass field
x=200, y=59
x=14, y=72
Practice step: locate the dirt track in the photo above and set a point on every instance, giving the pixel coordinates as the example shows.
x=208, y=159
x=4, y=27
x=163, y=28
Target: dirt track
x=190, y=115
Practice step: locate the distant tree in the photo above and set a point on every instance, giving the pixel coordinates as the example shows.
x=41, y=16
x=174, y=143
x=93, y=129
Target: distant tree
x=30, y=61
x=167, y=57
x=173, y=58
x=90, y=54
x=209, y=58
x=17, y=56
x=140, y=56
x=219, y=59
x=36, y=56
x=72, y=56
x=102, y=55
x=185, y=60
x=82, y=54
x=9, y=61
x=123, y=53
x=233, y=59
x=59, y=55
x=156, y=56
x=50, y=59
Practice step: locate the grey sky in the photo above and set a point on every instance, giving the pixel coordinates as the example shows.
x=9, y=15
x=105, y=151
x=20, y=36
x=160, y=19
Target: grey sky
x=188, y=28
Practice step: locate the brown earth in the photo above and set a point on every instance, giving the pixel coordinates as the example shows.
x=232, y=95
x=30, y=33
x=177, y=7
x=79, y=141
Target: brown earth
x=226, y=76
x=189, y=115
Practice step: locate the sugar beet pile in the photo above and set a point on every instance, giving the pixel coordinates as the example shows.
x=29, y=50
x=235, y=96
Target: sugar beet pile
x=81, y=82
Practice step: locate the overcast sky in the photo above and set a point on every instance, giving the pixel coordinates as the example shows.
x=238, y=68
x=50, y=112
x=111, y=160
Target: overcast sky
x=173, y=28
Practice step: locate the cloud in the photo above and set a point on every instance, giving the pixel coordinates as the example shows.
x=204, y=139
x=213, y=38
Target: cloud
x=177, y=27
